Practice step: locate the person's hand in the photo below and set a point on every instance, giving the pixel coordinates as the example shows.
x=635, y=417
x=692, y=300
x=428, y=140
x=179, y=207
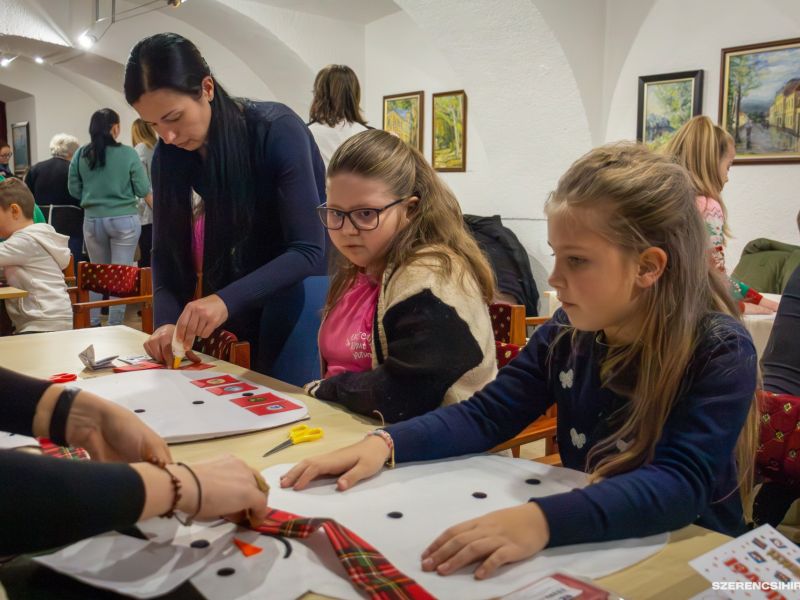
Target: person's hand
x=110, y=432
x=356, y=462
x=230, y=489
x=759, y=309
x=200, y=318
x=769, y=304
x=500, y=537
x=159, y=346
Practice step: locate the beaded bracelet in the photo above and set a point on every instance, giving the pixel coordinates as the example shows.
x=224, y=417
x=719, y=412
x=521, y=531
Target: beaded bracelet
x=386, y=437
x=176, y=487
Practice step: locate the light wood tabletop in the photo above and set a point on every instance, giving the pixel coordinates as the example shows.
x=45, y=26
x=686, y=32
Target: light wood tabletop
x=8, y=292
x=663, y=576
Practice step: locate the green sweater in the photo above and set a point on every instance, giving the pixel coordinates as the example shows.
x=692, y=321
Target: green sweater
x=110, y=190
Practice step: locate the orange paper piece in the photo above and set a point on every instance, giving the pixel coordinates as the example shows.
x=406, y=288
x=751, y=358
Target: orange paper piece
x=247, y=549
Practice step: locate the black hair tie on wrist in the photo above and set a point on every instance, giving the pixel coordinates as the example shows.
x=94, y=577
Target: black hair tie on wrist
x=58, y=420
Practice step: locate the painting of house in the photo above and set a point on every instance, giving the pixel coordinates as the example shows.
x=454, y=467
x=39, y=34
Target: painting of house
x=760, y=100
x=402, y=116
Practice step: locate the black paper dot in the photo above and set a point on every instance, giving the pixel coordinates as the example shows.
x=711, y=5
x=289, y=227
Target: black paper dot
x=200, y=544
x=226, y=572
x=395, y=515
x=533, y=481
x=247, y=394
x=480, y=495
x=199, y=402
x=139, y=410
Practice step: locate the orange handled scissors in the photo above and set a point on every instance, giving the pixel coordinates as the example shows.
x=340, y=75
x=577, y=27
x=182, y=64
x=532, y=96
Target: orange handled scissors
x=298, y=435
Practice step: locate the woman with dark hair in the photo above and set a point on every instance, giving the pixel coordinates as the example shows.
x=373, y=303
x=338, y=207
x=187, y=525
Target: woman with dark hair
x=335, y=110
x=236, y=185
x=108, y=178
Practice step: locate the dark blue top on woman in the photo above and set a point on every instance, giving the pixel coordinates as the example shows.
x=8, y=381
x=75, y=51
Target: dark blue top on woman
x=285, y=242
x=692, y=477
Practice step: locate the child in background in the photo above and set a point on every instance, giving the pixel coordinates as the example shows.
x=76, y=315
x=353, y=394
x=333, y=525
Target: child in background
x=654, y=386
x=707, y=152
x=33, y=258
x=406, y=325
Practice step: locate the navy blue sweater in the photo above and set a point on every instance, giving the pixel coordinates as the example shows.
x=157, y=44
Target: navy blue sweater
x=692, y=477
x=286, y=241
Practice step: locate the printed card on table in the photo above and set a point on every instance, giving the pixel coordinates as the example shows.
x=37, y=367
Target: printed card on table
x=215, y=381
x=266, y=398
x=233, y=388
x=759, y=564
x=278, y=406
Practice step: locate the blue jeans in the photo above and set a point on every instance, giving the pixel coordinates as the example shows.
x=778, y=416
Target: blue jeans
x=111, y=241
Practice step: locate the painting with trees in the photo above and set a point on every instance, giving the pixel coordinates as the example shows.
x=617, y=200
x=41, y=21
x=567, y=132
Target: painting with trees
x=666, y=102
x=450, y=131
x=760, y=101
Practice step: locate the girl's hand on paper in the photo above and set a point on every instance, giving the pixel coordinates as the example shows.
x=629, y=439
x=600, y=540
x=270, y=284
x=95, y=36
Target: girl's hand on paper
x=493, y=540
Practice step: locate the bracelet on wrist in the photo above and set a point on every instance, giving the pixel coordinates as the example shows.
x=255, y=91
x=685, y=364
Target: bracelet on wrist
x=58, y=419
x=384, y=435
x=190, y=519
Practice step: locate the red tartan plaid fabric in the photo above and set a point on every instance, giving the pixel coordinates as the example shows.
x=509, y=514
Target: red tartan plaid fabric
x=368, y=569
x=50, y=449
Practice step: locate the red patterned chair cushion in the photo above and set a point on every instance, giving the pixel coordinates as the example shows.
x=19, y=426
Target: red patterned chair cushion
x=505, y=353
x=778, y=457
x=115, y=280
x=501, y=321
x=218, y=344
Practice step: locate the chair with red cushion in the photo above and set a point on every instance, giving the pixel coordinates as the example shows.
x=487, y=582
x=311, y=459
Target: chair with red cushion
x=130, y=285
x=224, y=345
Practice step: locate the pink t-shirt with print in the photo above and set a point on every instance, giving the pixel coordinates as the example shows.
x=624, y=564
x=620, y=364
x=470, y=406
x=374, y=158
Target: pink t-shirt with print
x=345, y=338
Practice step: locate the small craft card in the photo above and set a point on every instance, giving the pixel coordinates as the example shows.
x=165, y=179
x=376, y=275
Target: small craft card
x=279, y=406
x=234, y=388
x=214, y=381
x=267, y=398
x=90, y=362
x=759, y=564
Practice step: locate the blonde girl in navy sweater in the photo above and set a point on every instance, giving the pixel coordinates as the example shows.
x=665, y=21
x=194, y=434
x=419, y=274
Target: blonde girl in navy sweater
x=653, y=375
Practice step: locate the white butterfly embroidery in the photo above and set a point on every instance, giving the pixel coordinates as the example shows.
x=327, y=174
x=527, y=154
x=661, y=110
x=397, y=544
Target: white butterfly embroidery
x=578, y=439
x=566, y=378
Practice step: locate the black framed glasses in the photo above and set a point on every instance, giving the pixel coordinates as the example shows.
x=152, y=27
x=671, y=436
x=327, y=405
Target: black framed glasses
x=363, y=219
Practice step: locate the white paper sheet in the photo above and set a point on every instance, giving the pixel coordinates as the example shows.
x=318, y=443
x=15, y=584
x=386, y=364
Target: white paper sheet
x=434, y=496
x=170, y=404
x=9, y=441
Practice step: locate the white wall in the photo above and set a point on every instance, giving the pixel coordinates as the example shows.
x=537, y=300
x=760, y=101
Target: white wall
x=526, y=121
x=681, y=35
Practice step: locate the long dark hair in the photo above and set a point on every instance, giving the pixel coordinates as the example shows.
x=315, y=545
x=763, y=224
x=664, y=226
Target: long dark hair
x=100, y=133
x=337, y=96
x=170, y=61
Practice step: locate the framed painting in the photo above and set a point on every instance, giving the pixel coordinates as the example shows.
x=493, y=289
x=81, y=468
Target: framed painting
x=449, y=127
x=759, y=101
x=666, y=102
x=403, y=116
x=20, y=146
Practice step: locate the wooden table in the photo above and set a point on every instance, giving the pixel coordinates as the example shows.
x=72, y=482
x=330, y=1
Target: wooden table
x=8, y=292
x=664, y=576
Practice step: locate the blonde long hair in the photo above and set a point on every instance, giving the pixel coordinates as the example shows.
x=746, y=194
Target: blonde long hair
x=639, y=199
x=143, y=133
x=436, y=226
x=699, y=146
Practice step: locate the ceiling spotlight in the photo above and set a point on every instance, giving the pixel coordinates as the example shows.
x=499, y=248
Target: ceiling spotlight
x=39, y=60
x=7, y=60
x=87, y=40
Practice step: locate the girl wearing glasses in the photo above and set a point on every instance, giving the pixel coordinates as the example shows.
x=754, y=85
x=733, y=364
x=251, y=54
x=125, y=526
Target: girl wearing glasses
x=235, y=184
x=406, y=326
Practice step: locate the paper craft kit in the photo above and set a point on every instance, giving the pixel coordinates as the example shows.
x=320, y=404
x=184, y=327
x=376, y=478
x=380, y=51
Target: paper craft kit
x=183, y=406
x=399, y=512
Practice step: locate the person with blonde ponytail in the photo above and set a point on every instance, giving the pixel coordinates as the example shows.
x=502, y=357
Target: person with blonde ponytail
x=654, y=386
x=406, y=325
x=707, y=152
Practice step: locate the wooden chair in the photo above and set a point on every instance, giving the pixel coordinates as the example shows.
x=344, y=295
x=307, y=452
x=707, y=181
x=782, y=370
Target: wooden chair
x=224, y=345
x=509, y=324
x=130, y=285
x=71, y=280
